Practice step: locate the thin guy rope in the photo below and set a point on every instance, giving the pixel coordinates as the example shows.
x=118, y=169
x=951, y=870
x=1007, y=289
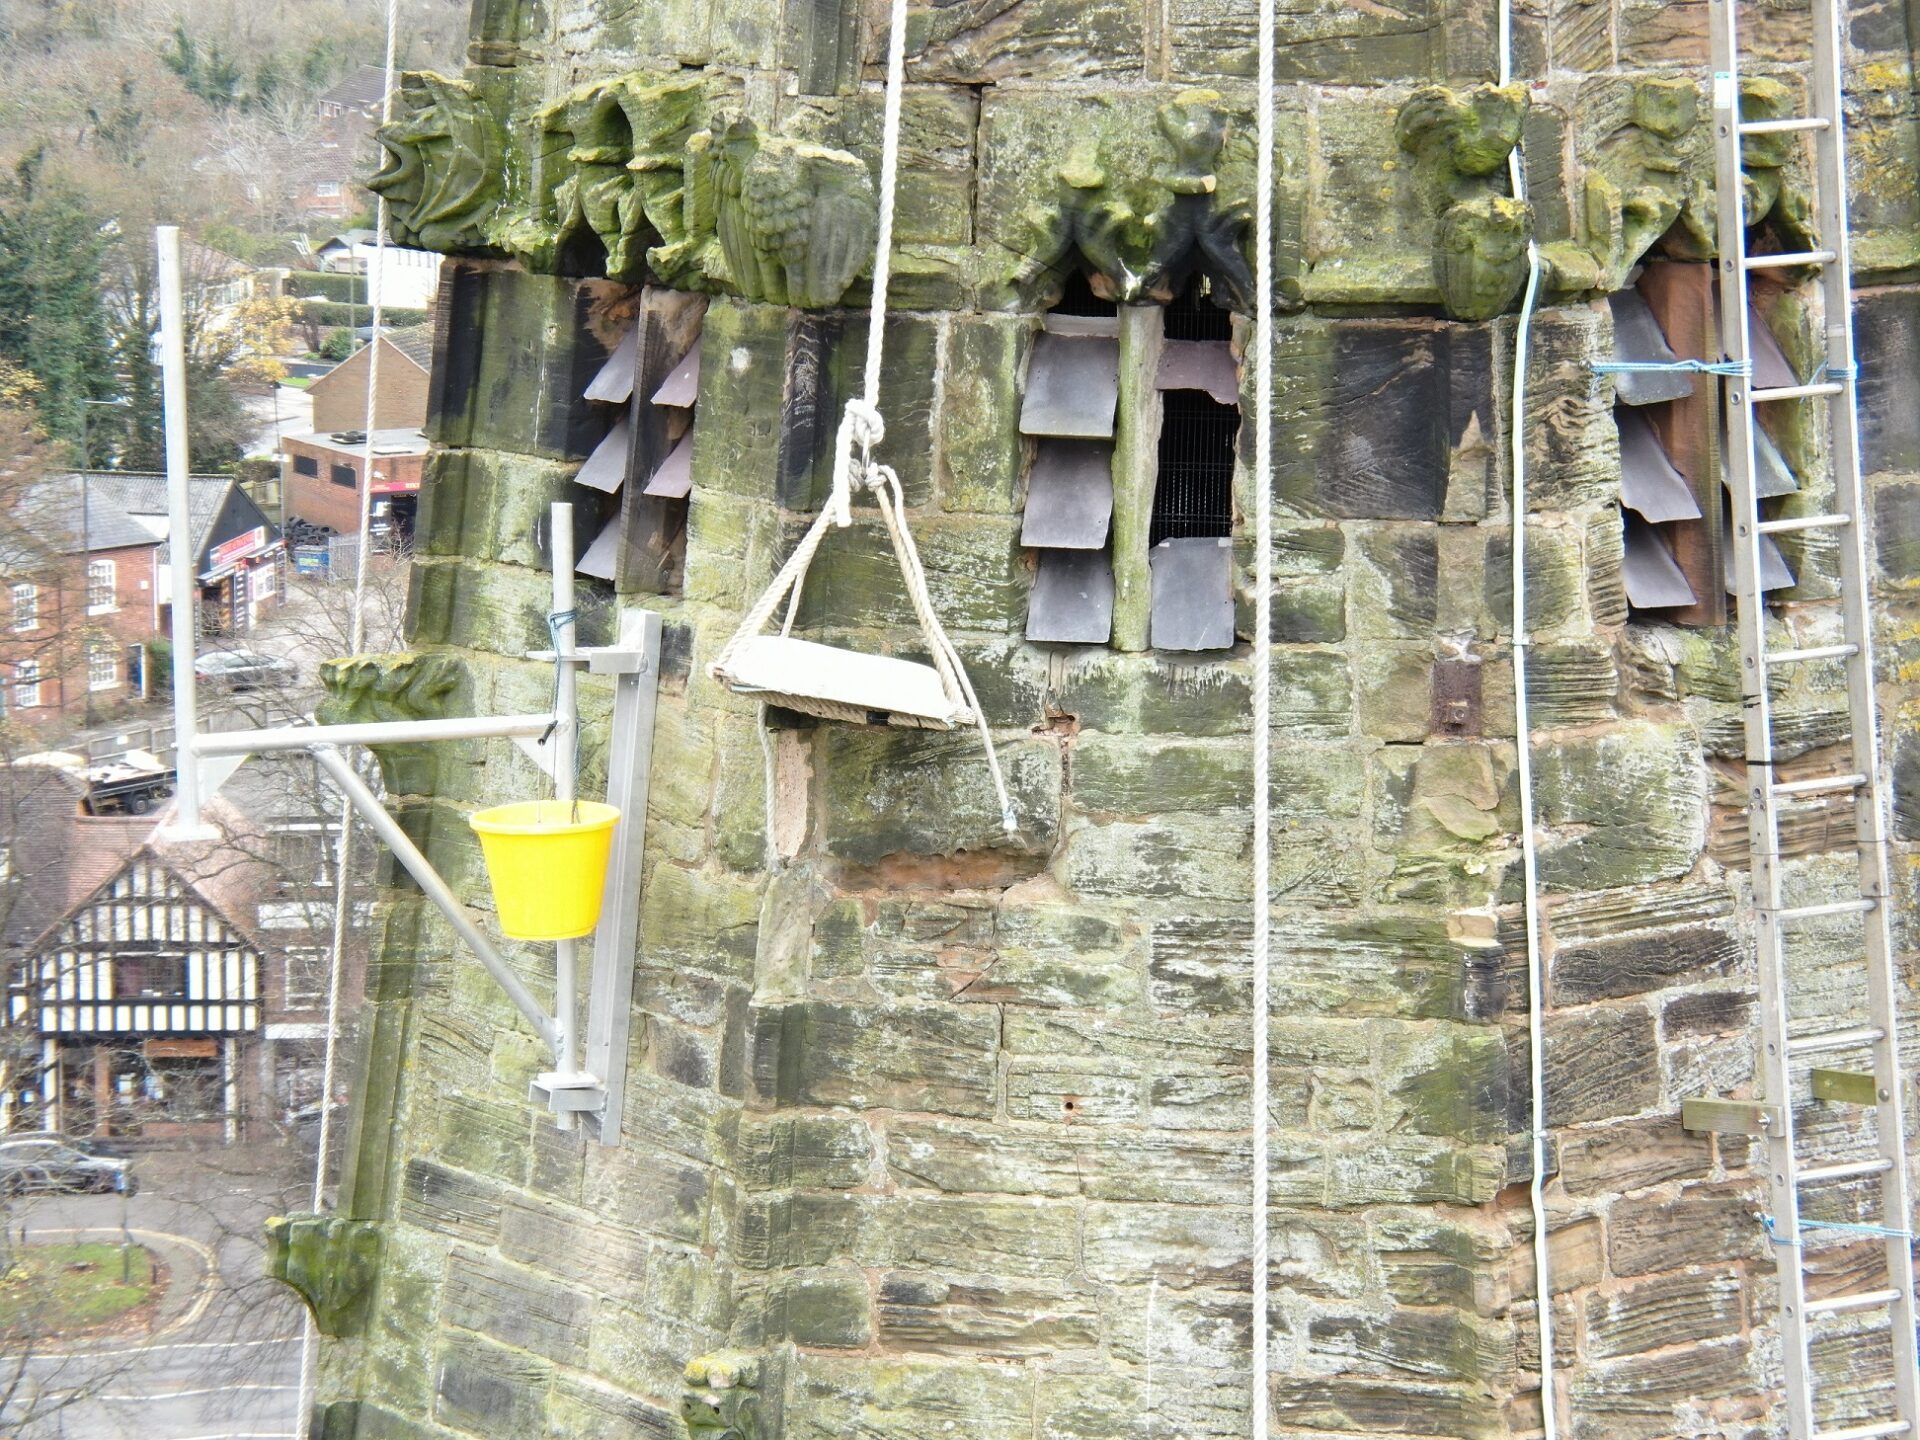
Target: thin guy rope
x=357, y=636
x=1262, y=695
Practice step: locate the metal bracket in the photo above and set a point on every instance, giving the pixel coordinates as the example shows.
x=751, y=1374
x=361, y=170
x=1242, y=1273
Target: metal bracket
x=1846, y=1087
x=573, y=1092
x=634, y=663
x=1730, y=1117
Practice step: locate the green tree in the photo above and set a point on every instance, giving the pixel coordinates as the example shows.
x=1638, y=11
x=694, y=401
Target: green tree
x=52, y=316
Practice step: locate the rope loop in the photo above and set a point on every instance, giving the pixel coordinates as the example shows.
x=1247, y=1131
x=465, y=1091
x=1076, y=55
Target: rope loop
x=860, y=425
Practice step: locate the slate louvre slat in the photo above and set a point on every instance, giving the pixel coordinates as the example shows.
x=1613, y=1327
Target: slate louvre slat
x=1193, y=593
x=1653, y=580
x=681, y=388
x=1775, y=574
x=1638, y=339
x=1069, y=495
x=1199, y=365
x=674, y=479
x=606, y=468
x=613, y=385
x=1072, y=599
x=1072, y=388
x=1649, y=483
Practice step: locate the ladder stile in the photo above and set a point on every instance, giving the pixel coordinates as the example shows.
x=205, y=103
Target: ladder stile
x=1876, y=1031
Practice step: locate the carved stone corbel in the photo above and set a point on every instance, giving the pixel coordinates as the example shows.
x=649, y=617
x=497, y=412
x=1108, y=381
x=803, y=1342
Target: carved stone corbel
x=330, y=1263
x=1460, y=141
x=721, y=1400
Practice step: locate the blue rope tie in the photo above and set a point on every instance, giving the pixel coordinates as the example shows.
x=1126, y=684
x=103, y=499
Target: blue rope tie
x=1670, y=367
x=1836, y=372
x=1879, y=1230
x=557, y=620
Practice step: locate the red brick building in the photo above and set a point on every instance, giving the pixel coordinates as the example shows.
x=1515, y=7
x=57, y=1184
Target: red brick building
x=340, y=395
x=322, y=473
x=85, y=585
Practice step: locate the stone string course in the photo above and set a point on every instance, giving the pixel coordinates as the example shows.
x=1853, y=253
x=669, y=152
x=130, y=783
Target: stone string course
x=933, y=1132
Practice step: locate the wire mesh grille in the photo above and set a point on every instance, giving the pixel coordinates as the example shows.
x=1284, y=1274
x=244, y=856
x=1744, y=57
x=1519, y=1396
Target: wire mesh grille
x=1078, y=298
x=1192, y=316
x=1194, y=496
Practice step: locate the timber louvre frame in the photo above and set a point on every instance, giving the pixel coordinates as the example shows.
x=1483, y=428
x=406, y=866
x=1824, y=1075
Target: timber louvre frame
x=1678, y=565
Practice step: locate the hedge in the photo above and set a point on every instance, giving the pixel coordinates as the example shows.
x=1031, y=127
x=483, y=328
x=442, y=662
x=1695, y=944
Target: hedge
x=321, y=285
x=327, y=312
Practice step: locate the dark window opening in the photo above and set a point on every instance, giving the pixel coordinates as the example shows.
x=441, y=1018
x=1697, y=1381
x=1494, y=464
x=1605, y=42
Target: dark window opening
x=1194, y=316
x=343, y=475
x=1194, y=496
x=152, y=975
x=306, y=465
x=1078, y=297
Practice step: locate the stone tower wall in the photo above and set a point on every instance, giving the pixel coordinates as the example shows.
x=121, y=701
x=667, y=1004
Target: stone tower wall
x=933, y=1131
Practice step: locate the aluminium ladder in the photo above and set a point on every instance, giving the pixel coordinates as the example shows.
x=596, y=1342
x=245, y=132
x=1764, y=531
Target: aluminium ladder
x=1788, y=1060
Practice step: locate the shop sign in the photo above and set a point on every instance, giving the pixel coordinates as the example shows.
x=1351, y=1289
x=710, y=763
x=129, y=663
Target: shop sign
x=231, y=552
x=182, y=1048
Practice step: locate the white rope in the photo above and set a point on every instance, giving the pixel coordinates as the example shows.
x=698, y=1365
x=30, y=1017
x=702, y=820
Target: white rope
x=861, y=425
x=1522, y=729
x=1262, y=694
x=356, y=641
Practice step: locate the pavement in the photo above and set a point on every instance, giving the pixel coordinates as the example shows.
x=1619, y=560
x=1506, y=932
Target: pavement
x=220, y=1357
x=274, y=413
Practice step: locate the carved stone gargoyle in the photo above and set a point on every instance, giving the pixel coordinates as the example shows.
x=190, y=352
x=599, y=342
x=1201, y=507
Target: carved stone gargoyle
x=773, y=219
x=1145, y=236
x=407, y=686
x=443, y=174
x=1460, y=142
x=330, y=1263
x=721, y=1400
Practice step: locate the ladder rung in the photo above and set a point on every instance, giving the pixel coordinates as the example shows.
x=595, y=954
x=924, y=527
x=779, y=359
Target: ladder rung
x=1859, y=1300
x=1817, y=652
x=1797, y=392
x=1836, y=1039
x=1865, y=1432
x=1781, y=127
x=1821, y=783
x=1790, y=257
x=1832, y=907
x=1804, y=522
x=1851, y=1170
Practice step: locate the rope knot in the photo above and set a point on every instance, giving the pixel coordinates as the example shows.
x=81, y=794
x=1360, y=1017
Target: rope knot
x=861, y=425
x=865, y=424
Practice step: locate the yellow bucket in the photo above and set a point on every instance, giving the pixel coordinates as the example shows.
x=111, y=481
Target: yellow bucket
x=547, y=862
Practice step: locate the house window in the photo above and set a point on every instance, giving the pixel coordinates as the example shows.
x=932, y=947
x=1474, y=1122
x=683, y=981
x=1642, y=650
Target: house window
x=103, y=666
x=344, y=475
x=306, y=465
x=26, y=684
x=307, y=969
x=101, y=596
x=26, y=607
x=149, y=975
x=327, y=189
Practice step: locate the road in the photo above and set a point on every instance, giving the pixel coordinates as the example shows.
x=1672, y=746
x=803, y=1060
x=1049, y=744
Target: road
x=222, y=1358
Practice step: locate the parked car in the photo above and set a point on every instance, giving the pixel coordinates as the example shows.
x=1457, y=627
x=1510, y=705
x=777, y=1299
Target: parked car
x=40, y=1165
x=244, y=670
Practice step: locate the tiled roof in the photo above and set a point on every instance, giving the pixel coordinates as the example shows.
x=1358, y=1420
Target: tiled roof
x=415, y=342
x=365, y=87
x=122, y=508
x=62, y=857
